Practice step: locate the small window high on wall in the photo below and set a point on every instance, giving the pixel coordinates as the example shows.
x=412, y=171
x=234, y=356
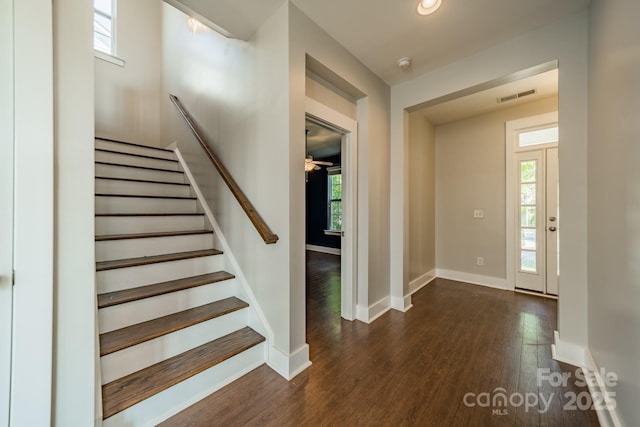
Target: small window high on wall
x=103, y=26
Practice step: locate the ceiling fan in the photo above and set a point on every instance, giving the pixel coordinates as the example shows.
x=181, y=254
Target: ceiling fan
x=309, y=163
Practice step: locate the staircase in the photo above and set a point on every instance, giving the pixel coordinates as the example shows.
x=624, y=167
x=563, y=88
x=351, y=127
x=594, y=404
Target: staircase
x=172, y=328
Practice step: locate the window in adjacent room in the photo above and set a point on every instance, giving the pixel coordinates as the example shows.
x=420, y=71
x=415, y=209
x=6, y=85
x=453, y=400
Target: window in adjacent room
x=334, y=190
x=103, y=26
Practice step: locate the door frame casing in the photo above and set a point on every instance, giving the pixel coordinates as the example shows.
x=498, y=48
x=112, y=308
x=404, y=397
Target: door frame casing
x=349, y=290
x=512, y=128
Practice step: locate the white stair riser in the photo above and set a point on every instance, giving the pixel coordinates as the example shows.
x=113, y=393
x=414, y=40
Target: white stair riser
x=123, y=315
x=130, y=277
x=111, y=204
x=133, y=248
x=110, y=186
x=173, y=400
x=145, y=224
x=126, y=159
x=127, y=148
x=129, y=360
x=112, y=171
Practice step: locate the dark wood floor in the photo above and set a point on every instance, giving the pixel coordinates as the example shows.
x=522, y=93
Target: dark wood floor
x=407, y=369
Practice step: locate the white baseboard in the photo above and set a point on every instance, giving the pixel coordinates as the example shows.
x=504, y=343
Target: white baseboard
x=402, y=304
x=374, y=311
x=422, y=281
x=568, y=352
x=324, y=249
x=289, y=365
x=607, y=414
x=474, y=279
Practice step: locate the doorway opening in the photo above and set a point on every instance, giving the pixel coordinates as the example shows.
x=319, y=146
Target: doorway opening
x=331, y=199
x=532, y=203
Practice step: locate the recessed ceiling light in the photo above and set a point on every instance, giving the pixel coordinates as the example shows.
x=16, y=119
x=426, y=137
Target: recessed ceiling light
x=427, y=7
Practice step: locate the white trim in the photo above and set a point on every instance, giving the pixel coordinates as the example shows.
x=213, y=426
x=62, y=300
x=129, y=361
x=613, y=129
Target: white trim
x=416, y=284
x=323, y=249
x=567, y=352
x=474, y=279
x=108, y=58
x=257, y=319
x=511, y=142
x=608, y=416
x=288, y=365
x=351, y=292
x=535, y=294
x=401, y=304
x=374, y=311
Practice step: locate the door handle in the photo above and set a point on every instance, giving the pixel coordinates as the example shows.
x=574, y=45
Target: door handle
x=552, y=228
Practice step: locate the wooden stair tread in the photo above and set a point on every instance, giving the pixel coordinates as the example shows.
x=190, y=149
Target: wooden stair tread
x=113, y=341
x=151, y=214
x=107, y=237
x=135, y=145
x=145, y=181
x=134, y=262
x=125, y=392
x=145, y=196
x=144, y=156
x=138, y=167
x=134, y=294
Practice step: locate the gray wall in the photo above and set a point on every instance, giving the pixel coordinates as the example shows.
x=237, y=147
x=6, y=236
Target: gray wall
x=614, y=198
x=422, y=197
x=470, y=174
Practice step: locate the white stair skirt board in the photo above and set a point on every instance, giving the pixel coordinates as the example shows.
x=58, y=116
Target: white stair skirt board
x=568, y=352
x=114, y=204
x=129, y=360
x=116, y=171
x=323, y=249
x=163, y=405
x=147, y=224
x=289, y=365
x=133, y=149
x=108, y=250
x=131, y=277
x=119, y=186
x=134, y=160
x=601, y=392
x=474, y=279
x=374, y=311
x=122, y=315
x=257, y=320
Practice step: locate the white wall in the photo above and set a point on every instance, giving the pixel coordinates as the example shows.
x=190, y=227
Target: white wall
x=471, y=174
x=75, y=355
x=565, y=41
x=238, y=93
x=306, y=38
x=33, y=294
x=422, y=198
x=614, y=198
x=322, y=92
x=127, y=98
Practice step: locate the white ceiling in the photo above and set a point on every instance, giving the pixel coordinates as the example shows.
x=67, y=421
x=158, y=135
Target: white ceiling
x=545, y=84
x=379, y=32
x=321, y=141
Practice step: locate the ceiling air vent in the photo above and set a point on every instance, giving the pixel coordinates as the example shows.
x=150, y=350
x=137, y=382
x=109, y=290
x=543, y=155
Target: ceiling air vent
x=516, y=96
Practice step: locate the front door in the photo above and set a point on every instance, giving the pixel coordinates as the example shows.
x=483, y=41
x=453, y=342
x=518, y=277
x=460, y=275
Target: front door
x=6, y=204
x=536, y=205
x=537, y=226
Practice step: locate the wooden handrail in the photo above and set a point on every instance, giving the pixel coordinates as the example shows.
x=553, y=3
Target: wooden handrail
x=257, y=221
